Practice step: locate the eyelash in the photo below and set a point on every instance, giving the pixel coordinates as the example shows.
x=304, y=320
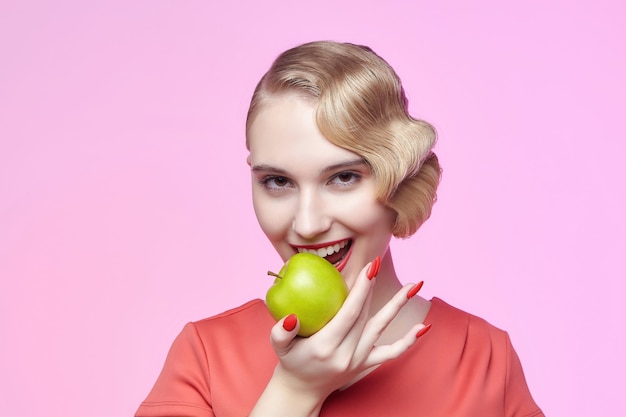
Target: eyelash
x=269, y=182
x=354, y=178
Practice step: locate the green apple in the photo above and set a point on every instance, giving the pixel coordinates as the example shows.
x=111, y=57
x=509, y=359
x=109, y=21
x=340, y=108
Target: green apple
x=311, y=288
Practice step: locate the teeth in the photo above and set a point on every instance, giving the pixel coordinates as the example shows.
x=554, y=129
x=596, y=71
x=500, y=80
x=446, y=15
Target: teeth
x=324, y=252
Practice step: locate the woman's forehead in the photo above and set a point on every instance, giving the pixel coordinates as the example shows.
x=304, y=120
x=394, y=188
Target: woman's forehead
x=285, y=134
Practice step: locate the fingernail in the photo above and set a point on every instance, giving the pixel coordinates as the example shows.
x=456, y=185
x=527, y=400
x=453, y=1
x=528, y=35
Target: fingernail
x=290, y=322
x=423, y=331
x=414, y=290
x=374, y=267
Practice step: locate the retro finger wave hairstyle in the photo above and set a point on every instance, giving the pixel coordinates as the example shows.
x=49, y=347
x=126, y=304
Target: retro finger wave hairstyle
x=362, y=107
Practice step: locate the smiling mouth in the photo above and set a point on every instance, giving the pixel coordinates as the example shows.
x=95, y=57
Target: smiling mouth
x=332, y=253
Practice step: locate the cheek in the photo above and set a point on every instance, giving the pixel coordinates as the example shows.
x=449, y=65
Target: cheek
x=367, y=215
x=271, y=217
x=262, y=213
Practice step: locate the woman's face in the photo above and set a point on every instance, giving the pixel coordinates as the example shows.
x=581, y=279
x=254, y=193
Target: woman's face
x=310, y=195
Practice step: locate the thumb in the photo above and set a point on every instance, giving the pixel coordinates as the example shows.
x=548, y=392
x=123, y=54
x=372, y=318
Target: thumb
x=283, y=334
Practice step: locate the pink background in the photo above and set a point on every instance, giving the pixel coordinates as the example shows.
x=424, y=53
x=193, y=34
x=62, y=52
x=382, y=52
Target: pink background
x=124, y=196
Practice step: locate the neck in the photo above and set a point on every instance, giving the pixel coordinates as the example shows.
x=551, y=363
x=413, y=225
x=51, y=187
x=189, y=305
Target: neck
x=386, y=286
x=387, y=283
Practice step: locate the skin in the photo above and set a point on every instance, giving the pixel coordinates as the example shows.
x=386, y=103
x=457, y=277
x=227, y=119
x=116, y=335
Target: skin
x=309, y=193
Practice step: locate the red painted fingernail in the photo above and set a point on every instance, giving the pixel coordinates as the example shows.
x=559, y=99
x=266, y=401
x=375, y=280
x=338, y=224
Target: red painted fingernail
x=423, y=331
x=374, y=267
x=415, y=289
x=290, y=322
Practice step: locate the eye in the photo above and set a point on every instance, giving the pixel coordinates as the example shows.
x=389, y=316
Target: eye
x=345, y=178
x=275, y=182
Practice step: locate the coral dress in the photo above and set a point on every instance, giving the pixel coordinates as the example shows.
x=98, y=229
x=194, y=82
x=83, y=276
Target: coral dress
x=219, y=367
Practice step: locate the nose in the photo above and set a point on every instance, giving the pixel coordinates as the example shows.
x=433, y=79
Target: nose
x=311, y=217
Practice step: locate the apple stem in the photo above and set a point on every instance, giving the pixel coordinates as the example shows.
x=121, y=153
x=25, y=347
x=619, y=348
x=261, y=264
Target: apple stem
x=274, y=274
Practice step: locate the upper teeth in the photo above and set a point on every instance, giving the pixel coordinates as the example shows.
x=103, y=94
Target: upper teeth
x=329, y=250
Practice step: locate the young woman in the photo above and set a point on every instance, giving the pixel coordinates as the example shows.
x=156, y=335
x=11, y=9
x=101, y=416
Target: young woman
x=339, y=167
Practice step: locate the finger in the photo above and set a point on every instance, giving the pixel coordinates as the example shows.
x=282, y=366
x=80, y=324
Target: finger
x=380, y=354
x=352, y=338
x=283, y=333
x=379, y=322
x=351, y=310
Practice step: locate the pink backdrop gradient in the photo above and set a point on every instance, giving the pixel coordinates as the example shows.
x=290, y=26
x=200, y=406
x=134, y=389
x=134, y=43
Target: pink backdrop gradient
x=124, y=198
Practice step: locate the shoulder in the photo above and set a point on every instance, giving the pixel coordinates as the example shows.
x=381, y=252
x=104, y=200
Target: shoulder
x=251, y=321
x=449, y=312
x=244, y=321
x=230, y=346
x=253, y=308
x=471, y=346
x=460, y=320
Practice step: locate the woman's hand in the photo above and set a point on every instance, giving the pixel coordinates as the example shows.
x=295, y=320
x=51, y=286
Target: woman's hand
x=310, y=369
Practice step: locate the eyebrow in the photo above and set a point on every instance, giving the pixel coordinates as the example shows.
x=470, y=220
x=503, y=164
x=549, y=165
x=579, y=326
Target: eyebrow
x=335, y=167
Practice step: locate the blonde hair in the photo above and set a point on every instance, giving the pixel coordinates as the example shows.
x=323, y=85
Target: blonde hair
x=362, y=107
